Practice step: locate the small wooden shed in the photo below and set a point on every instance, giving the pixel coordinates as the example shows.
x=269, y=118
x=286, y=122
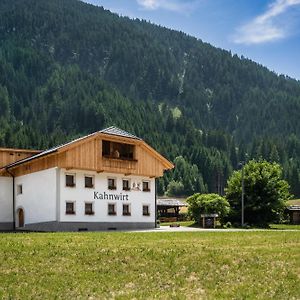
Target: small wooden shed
x=209, y=220
x=294, y=212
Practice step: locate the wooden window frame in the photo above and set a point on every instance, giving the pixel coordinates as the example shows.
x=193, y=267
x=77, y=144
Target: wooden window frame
x=114, y=213
x=112, y=188
x=129, y=183
x=93, y=181
x=147, y=189
x=129, y=209
x=74, y=208
x=115, y=150
x=89, y=213
x=148, y=206
x=74, y=180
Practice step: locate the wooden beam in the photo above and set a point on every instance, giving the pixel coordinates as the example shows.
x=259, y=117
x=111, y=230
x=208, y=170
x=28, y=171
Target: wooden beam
x=17, y=150
x=100, y=171
x=120, y=139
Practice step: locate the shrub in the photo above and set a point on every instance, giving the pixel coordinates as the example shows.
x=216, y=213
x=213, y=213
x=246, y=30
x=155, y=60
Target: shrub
x=208, y=204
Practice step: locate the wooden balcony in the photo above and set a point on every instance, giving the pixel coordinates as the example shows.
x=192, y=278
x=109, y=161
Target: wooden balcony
x=115, y=164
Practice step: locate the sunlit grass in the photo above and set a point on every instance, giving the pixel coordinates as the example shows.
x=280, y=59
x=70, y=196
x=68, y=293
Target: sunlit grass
x=189, y=265
x=181, y=223
x=285, y=226
x=272, y=226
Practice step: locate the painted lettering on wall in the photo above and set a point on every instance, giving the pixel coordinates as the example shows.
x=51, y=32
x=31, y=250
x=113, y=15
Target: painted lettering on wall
x=106, y=196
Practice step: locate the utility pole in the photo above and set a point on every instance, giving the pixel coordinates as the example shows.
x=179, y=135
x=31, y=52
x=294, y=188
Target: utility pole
x=243, y=193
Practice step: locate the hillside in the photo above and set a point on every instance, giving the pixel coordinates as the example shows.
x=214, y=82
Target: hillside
x=68, y=68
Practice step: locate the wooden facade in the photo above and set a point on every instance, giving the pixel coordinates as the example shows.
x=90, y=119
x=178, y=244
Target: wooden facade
x=86, y=154
x=8, y=155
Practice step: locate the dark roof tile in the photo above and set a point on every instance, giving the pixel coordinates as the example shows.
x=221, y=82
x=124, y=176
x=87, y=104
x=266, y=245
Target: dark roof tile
x=120, y=132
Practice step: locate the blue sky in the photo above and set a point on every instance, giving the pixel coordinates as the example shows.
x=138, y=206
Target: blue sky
x=266, y=31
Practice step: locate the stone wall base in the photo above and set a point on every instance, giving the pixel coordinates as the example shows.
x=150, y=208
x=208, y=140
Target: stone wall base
x=85, y=226
x=6, y=226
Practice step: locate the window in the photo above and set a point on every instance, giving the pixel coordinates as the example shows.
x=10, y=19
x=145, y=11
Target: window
x=70, y=180
x=146, y=186
x=112, y=209
x=118, y=150
x=112, y=184
x=146, y=211
x=106, y=148
x=70, y=208
x=19, y=189
x=89, y=210
x=89, y=181
x=126, y=185
x=126, y=210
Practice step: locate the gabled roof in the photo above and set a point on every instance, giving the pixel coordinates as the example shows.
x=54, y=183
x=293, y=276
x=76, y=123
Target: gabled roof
x=109, y=131
x=119, y=132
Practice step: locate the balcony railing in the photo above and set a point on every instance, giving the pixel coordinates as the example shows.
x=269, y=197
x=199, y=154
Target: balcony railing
x=119, y=163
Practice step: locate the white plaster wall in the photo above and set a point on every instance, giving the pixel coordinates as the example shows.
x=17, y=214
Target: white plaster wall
x=80, y=195
x=39, y=196
x=6, y=199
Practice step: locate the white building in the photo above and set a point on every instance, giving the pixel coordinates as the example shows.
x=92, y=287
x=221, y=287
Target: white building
x=102, y=181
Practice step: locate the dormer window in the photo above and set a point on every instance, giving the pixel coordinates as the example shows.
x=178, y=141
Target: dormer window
x=117, y=150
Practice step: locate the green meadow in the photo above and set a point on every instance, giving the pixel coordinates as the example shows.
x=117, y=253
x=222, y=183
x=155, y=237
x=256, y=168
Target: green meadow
x=124, y=265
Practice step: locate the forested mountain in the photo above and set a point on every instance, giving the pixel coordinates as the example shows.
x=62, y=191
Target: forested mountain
x=68, y=68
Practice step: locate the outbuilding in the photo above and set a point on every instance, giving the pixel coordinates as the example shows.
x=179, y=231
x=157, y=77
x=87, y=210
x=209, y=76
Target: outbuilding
x=294, y=212
x=169, y=209
x=105, y=180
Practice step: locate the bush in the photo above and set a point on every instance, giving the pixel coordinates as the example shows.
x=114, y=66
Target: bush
x=228, y=225
x=208, y=204
x=184, y=217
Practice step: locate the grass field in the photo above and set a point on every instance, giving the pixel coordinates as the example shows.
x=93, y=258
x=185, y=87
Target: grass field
x=272, y=226
x=285, y=226
x=182, y=223
x=191, y=265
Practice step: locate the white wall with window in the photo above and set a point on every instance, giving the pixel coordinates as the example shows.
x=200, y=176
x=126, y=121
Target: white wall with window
x=129, y=193
x=69, y=196
x=38, y=196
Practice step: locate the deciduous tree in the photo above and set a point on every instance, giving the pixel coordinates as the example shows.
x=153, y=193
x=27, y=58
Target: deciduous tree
x=266, y=193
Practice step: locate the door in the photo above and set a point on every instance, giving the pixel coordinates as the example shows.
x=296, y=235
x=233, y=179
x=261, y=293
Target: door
x=21, y=217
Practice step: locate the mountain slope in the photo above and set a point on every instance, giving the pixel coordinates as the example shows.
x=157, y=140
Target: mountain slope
x=69, y=68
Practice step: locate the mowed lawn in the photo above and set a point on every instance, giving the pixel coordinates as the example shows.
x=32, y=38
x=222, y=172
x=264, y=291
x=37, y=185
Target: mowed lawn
x=182, y=265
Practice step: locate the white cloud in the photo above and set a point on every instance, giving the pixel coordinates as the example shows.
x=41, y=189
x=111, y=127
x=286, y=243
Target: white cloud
x=179, y=6
x=270, y=26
